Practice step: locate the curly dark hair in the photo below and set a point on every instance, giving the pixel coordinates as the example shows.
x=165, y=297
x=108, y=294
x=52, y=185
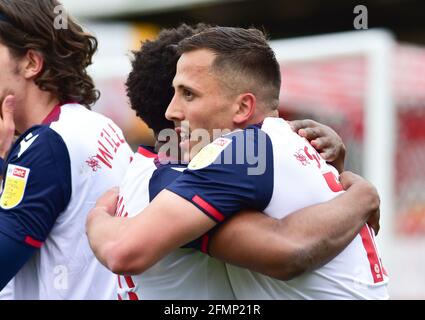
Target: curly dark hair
x=67, y=52
x=149, y=85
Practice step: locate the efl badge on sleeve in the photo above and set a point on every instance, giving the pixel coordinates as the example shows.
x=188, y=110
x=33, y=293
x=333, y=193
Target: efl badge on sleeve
x=209, y=154
x=14, y=186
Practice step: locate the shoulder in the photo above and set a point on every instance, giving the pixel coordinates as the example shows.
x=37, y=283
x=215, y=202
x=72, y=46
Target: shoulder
x=41, y=150
x=75, y=121
x=89, y=134
x=241, y=147
x=40, y=154
x=38, y=161
x=39, y=141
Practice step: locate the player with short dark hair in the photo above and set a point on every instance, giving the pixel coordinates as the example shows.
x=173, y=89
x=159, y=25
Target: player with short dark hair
x=282, y=248
x=288, y=175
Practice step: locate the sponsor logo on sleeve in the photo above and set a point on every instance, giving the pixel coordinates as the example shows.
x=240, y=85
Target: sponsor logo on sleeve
x=14, y=186
x=209, y=154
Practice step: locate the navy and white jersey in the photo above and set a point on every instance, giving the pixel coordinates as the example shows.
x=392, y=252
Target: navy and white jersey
x=184, y=273
x=232, y=173
x=276, y=171
x=52, y=178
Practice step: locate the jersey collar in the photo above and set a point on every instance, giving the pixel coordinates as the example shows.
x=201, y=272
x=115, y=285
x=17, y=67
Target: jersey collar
x=54, y=114
x=160, y=159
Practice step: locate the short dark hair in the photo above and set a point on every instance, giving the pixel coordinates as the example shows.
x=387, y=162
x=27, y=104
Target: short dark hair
x=29, y=24
x=149, y=84
x=245, y=56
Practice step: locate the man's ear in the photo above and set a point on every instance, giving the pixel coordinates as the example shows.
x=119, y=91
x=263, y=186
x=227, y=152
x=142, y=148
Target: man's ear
x=246, y=104
x=33, y=63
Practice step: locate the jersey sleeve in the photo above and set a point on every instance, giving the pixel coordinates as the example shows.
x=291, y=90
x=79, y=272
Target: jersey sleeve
x=36, y=186
x=232, y=173
x=161, y=178
x=13, y=256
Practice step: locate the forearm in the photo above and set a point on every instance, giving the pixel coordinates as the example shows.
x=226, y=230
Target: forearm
x=132, y=245
x=257, y=242
x=300, y=242
x=103, y=232
x=324, y=230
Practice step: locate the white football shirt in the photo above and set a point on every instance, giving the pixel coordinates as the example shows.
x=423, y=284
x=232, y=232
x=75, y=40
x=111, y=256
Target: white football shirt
x=272, y=169
x=89, y=155
x=182, y=274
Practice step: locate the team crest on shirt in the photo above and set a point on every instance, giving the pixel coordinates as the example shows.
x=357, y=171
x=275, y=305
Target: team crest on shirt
x=209, y=153
x=14, y=186
x=93, y=163
x=301, y=157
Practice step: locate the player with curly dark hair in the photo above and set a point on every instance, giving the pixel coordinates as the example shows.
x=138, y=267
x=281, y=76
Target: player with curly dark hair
x=153, y=69
x=65, y=157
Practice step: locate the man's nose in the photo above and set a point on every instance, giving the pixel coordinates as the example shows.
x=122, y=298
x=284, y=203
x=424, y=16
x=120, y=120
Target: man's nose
x=174, y=112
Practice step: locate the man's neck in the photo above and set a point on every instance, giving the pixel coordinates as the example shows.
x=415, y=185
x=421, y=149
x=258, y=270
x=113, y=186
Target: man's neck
x=260, y=116
x=34, y=108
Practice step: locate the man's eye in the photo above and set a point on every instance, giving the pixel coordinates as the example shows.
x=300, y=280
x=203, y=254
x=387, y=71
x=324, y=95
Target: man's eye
x=187, y=94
